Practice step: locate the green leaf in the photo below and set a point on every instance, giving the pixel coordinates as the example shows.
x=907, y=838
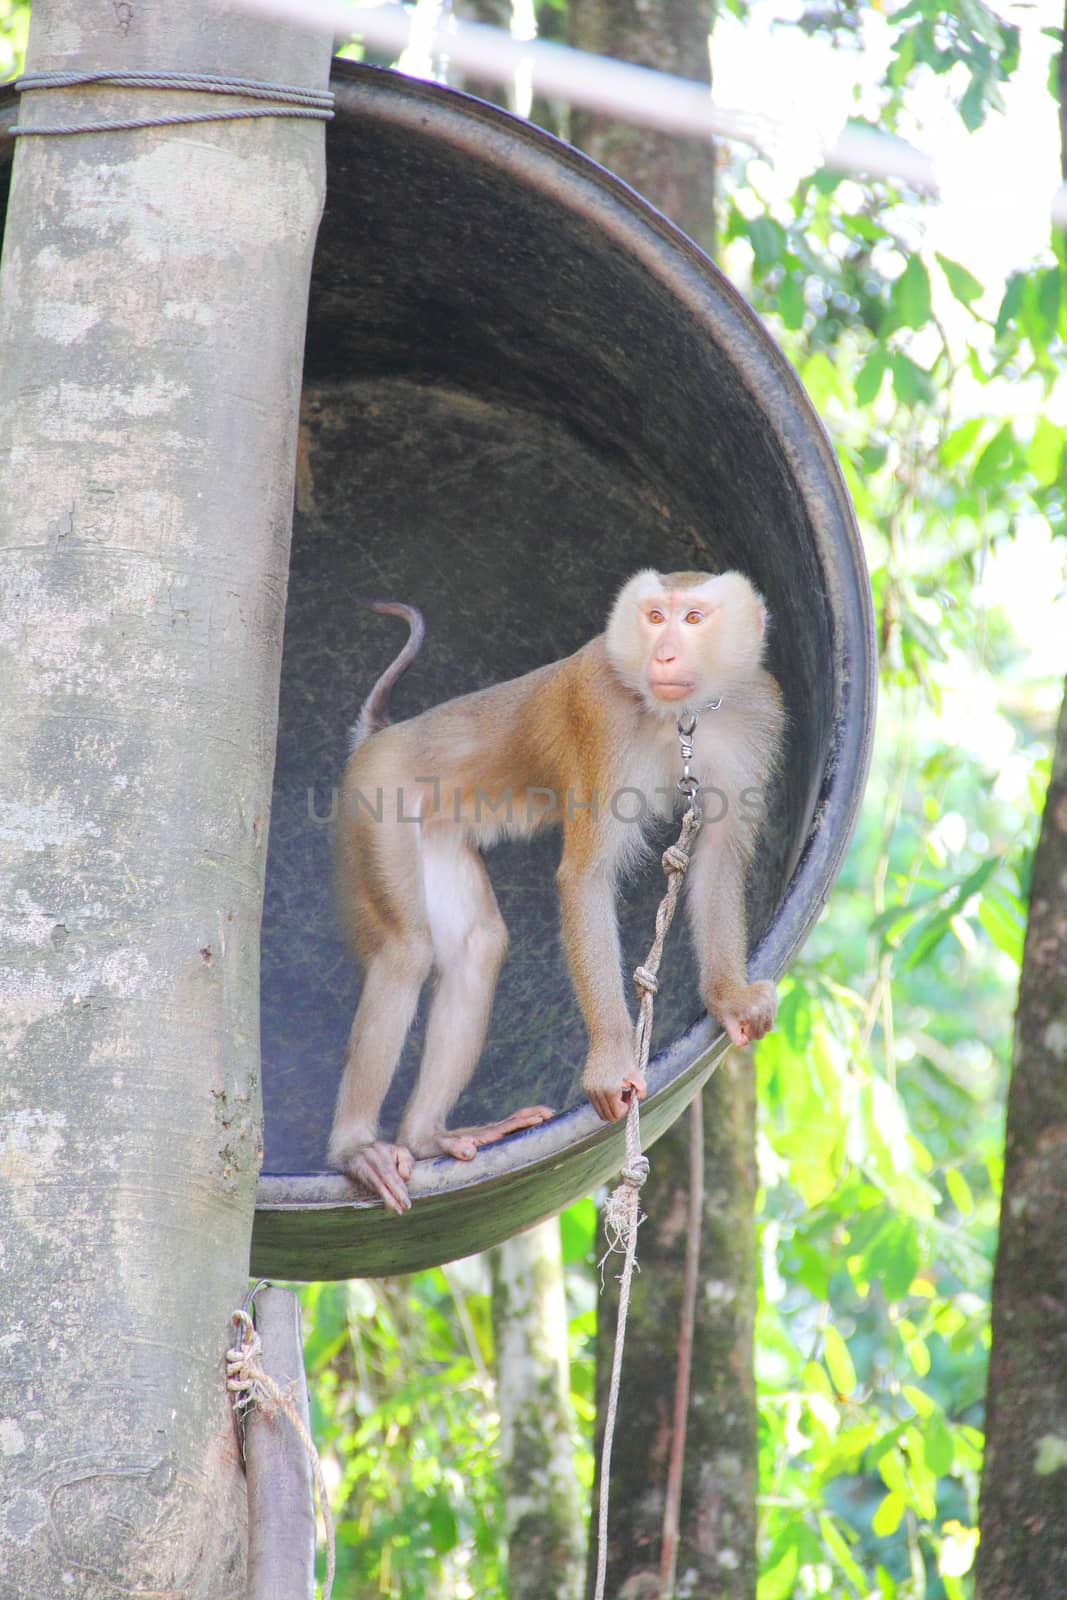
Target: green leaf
x=842, y=1554
x=1011, y=303
x=886, y=1519
x=1005, y=927
x=791, y=305
x=1049, y=294
x=577, y=1231
x=912, y=385
x=919, y=1399
x=444, y=1532
x=918, y=1354
x=767, y=239
x=794, y=1016
x=929, y=931
x=777, y=1582
x=816, y=1380
x=960, y=1191
x=893, y=1259
x=838, y=1361
x=960, y=441
x=910, y=296
x=972, y=106
x=822, y=379
x=964, y=285
x=997, y=456
x=938, y=1449
x=869, y=378
x=1044, y=452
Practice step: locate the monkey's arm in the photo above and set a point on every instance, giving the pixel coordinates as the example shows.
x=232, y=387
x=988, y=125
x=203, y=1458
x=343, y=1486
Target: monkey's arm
x=746, y=745
x=591, y=940
x=715, y=885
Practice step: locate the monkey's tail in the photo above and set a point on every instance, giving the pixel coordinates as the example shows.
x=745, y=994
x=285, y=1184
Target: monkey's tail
x=375, y=712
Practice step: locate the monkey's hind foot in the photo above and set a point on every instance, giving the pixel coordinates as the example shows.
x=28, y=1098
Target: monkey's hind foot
x=748, y=1013
x=463, y=1144
x=384, y=1169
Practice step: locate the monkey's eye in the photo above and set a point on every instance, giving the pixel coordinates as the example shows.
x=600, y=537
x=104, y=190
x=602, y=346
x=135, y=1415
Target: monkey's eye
x=656, y=615
x=694, y=616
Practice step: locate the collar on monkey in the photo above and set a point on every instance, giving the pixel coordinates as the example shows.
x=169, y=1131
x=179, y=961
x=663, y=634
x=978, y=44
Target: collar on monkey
x=687, y=725
x=689, y=783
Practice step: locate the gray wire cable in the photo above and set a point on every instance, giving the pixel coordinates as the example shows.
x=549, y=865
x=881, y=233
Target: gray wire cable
x=286, y=100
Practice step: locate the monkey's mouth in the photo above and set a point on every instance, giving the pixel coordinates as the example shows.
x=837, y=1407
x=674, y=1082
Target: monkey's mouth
x=668, y=690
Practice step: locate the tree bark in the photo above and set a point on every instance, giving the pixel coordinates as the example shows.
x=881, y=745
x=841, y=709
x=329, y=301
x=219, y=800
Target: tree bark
x=546, y=1539
x=716, y=1552
x=1023, y=1552
x=677, y=175
x=152, y=308
x=281, y=1493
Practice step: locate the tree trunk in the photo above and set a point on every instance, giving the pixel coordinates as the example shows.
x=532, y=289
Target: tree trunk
x=716, y=1551
x=677, y=175
x=1023, y=1552
x=152, y=307
x=716, y=1548
x=492, y=14
x=546, y=1539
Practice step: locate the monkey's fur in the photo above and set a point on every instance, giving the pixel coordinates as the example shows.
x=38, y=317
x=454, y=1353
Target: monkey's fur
x=530, y=753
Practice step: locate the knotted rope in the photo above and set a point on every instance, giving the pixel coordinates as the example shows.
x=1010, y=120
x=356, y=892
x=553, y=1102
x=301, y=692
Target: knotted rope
x=251, y=1385
x=622, y=1212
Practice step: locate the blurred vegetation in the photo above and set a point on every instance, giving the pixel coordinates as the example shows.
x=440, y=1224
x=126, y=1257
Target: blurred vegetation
x=14, y=26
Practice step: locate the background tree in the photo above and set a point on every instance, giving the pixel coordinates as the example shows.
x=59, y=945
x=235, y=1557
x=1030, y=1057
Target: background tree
x=1024, y=1541
x=704, y=1168
x=1024, y=1537
x=544, y=1525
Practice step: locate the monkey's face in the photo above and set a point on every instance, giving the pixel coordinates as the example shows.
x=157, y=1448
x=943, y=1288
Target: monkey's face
x=679, y=640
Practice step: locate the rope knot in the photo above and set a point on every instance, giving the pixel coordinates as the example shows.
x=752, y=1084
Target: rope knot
x=243, y=1371
x=645, y=979
x=675, y=859
x=250, y=1384
x=635, y=1173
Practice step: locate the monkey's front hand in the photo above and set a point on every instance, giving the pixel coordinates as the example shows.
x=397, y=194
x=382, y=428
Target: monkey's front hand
x=746, y=1013
x=609, y=1078
x=382, y=1168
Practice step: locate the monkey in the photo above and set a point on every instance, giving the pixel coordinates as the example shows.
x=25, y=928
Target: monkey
x=571, y=743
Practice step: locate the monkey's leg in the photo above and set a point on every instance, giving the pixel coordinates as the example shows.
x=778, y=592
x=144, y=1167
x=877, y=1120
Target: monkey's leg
x=393, y=978
x=470, y=942
x=715, y=887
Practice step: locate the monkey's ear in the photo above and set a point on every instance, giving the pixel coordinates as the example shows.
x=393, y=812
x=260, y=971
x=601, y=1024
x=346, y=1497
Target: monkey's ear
x=764, y=617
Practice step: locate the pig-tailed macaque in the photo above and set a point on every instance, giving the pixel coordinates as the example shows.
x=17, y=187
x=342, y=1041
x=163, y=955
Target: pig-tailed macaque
x=591, y=743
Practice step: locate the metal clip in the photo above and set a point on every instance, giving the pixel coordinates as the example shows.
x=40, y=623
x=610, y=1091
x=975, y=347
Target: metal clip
x=689, y=783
